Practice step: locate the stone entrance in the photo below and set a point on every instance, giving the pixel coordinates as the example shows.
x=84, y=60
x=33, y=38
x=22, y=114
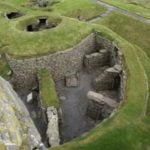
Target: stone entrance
x=13, y=15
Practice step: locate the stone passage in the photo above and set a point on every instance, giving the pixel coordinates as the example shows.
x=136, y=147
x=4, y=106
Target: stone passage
x=13, y=15
x=41, y=24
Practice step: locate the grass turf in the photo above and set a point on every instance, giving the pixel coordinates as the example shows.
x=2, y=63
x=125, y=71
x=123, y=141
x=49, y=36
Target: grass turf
x=48, y=94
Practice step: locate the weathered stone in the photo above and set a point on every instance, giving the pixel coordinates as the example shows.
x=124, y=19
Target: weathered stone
x=101, y=99
x=12, y=147
x=53, y=129
x=30, y=97
x=103, y=51
x=9, y=73
x=20, y=126
x=33, y=114
x=118, y=68
x=108, y=80
x=62, y=98
x=99, y=106
x=96, y=59
x=72, y=80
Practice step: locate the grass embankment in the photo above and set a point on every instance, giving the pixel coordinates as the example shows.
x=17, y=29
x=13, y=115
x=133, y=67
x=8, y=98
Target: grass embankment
x=130, y=29
x=48, y=94
x=140, y=7
x=137, y=33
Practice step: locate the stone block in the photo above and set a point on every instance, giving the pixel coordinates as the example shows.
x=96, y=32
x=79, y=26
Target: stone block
x=99, y=106
x=72, y=81
x=30, y=98
x=53, y=128
x=108, y=80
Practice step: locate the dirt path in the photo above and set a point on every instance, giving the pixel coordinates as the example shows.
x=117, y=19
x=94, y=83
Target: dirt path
x=111, y=8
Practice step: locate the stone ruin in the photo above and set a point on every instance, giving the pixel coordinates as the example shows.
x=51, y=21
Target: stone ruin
x=101, y=102
x=41, y=24
x=89, y=81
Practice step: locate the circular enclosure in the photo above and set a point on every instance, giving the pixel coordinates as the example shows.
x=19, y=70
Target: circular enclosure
x=40, y=23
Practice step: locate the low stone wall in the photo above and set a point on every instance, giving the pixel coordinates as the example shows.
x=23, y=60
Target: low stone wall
x=59, y=64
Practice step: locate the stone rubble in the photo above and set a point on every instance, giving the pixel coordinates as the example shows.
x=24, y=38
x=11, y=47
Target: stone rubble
x=53, y=128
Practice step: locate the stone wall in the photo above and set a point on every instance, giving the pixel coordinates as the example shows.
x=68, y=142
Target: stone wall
x=59, y=64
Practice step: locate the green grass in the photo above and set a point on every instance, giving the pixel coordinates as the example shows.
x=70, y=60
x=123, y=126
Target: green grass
x=4, y=68
x=140, y=7
x=68, y=33
x=48, y=94
x=130, y=29
x=85, y=9
x=137, y=33
x=146, y=64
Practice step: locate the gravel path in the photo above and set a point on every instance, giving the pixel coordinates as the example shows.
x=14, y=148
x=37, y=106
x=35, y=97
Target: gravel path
x=111, y=8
